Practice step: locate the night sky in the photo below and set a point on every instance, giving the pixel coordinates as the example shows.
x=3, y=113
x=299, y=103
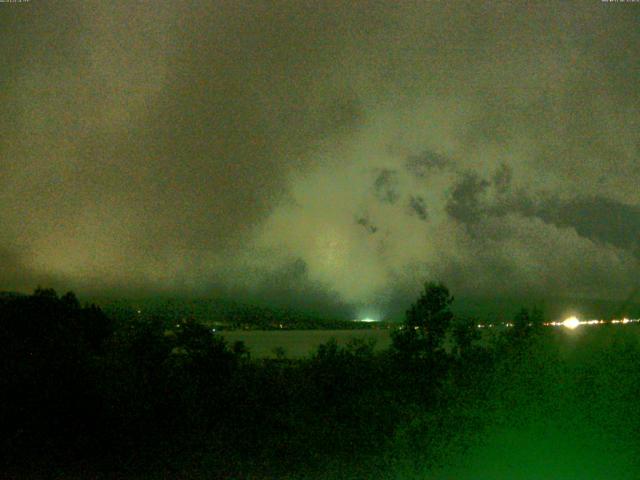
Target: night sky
x=326, y=153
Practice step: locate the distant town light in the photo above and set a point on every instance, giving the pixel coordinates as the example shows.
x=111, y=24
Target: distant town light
x=571, y=323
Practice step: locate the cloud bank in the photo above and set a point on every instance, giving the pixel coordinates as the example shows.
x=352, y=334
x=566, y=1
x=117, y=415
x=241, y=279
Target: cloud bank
x=320, y=153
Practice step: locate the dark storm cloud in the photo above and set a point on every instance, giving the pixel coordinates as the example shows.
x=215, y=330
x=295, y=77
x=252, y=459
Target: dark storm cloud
x=386, y=186
x=201, y=146
x=599, y=219
x=420, y=165
x=418, y=207
x=290, y=287
x=141, y=133
x=502, y=178
x=465, y=202
x=366, y=223
x=12, y=274
x=596, y=218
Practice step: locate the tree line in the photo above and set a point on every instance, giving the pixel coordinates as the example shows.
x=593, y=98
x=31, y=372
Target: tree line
x=81, y=391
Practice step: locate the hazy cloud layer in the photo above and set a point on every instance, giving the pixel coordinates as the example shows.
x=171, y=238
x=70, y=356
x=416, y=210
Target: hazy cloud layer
x=327, y=152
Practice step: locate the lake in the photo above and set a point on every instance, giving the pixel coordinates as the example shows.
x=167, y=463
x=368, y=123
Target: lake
x=300, y=343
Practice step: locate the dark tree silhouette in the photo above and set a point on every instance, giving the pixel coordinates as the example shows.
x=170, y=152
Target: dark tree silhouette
x=70, y=301
x=527, y=322
x=536, y=318
x=47, y=377
x=465, y=334
x=427, y=321
x=521, y=322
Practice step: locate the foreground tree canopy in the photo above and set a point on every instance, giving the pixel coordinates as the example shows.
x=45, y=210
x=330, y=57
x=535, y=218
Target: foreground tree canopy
x=427, y=322
x=140, y=396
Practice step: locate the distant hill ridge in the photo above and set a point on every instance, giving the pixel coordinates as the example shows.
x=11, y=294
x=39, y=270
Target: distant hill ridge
x=238, y=314
x=227, y=313
x=503, y=309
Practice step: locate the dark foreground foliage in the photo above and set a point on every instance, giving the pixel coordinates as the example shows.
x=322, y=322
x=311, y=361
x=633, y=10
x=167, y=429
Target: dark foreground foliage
x=83, y=397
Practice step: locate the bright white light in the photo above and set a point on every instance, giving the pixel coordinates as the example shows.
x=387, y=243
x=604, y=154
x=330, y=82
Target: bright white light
x=571, y=323
x=368, y=320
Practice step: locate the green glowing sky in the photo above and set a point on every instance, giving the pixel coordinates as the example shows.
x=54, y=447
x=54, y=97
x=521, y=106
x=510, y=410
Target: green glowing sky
x=333, y=151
